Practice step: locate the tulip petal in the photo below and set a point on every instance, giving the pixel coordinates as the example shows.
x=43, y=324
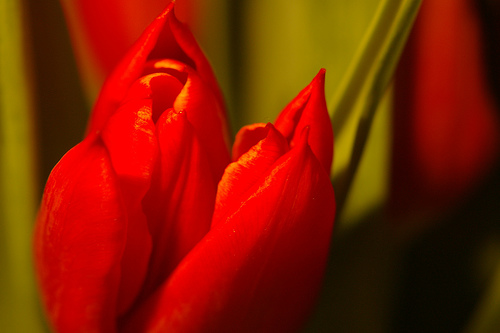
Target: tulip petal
x=242, y=175
x=247, y=137
x=261, y=269
x=309, y=109
x=79, y=240
x=180, y=203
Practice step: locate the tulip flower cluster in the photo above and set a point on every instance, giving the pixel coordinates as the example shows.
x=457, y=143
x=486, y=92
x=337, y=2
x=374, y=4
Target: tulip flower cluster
x=150, y=225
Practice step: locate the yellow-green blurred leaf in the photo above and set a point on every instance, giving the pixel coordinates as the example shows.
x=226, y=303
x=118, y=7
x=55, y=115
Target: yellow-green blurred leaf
x=356, y=100
x=486, y=318
x=369, y=187
x=18, y=308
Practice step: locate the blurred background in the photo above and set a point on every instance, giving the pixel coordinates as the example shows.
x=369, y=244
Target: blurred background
x=416, y=246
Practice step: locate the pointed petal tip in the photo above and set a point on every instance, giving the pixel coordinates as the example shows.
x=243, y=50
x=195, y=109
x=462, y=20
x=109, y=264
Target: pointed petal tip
x=319, y=79
x=170, y=11
x=167, y=12
x=169, y=8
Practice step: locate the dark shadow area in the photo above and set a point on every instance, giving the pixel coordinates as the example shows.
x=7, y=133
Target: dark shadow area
x=61, y=108
x=440, y=287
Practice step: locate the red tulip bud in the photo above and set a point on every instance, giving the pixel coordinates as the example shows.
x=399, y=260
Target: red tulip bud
x=134, y=234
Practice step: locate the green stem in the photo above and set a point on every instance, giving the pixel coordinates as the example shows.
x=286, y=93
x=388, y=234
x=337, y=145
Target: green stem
x=366, y=81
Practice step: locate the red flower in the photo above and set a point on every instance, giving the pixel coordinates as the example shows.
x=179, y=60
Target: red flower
x=446, y=125
x=134, y=234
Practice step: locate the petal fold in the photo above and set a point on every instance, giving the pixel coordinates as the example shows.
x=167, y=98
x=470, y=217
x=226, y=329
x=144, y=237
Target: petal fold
x=180, y=203
x=243, y=174
x=203, y=111
x=247, y=137
x=132, y=145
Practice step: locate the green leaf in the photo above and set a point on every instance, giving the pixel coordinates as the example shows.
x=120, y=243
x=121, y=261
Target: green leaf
x=356, y=100
x=19, y=310
x=486, y=316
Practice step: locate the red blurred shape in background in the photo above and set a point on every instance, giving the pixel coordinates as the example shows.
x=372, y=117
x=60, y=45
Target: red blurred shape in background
x=445, y=122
